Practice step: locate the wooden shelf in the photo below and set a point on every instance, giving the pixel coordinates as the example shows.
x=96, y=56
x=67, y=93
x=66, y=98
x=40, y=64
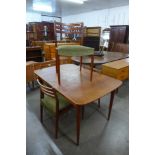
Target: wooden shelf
x=34, y=54
x=34, y=57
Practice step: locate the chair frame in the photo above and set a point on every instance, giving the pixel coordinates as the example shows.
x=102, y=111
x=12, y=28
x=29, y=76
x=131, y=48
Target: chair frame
x=49, y=91
x=58, y=66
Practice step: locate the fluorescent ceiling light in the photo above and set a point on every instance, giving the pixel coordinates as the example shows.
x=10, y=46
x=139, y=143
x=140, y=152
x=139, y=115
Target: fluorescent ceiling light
x=39, y=6
x=76, y=1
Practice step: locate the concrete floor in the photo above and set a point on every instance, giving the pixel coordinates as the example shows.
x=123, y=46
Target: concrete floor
x=97, y=136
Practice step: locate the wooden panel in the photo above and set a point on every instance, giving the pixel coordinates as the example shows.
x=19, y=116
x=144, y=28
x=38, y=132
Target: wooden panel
x=117, y=69
x=92, y=37
x=38, y=29
x=119, y=33
x=34, y=54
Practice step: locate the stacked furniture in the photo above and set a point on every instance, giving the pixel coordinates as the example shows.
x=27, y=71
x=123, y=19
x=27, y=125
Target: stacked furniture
x=92, y=37
x=77, y=88
x=73, y=32
x=74, y=50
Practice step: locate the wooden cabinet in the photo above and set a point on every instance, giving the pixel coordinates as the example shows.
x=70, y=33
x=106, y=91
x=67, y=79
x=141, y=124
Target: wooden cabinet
x=38, y=30
x=92, y=37
x=119, y=33
x=118, y=69
x=34, y=53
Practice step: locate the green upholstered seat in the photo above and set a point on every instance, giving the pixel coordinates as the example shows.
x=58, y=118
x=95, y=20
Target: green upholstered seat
x=75, y=50
x=50, y=103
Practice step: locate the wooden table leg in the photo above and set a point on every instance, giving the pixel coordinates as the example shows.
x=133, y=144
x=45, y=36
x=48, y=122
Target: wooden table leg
x=92, y=65
x=78, y=123
x=83, y=112
x=58, y=68
x=117, y=91
x=80, y=63
x=111, y=103
x=99, y=103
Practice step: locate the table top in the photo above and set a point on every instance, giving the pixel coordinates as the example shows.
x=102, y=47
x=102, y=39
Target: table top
x=98, y=60
x=118, y=64
x=76, y=86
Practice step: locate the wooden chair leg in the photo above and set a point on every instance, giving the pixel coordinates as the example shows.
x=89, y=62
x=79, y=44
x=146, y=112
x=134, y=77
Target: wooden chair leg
x=58, y=68
x=28, y=83
x=111, y=103
x=78, y=124
x=116, y=90
x=99, y=103
x=92, y=62
x=41, y=113
x=57, y=120
x=33, y=84
x=56, y=61
x=80, y=63
x=56, y=125
x=83, y=109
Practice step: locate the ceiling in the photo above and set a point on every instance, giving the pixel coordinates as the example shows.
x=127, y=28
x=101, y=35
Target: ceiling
x=62, y=8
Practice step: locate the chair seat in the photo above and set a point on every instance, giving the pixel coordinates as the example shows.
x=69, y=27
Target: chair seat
x=75, y=50
x=50, y=103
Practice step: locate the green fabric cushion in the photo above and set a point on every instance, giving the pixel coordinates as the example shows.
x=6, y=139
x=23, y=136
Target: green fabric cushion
x=50, y=103
x=75, y=50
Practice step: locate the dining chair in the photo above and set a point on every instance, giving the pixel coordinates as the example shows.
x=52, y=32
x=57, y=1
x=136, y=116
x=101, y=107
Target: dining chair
x=74, y=50
x=53, y=102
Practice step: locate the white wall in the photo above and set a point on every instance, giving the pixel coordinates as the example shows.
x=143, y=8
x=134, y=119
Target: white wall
x=36, y=17
x=33, y=17
x=103, y=18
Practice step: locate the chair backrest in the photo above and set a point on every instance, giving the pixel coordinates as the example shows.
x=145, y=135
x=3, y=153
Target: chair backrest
x=72, y=29
x=49, y=91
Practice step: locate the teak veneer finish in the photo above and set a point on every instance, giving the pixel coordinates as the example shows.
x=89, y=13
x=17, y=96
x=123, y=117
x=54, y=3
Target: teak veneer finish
x=76, y=86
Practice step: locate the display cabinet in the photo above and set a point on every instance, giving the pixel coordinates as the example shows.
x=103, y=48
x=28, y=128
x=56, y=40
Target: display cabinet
x=92, y=37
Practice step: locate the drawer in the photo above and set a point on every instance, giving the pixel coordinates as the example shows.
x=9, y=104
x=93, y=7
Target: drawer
x=109, y=71
x=124, y=70
x=123, y=73
x=122, y=76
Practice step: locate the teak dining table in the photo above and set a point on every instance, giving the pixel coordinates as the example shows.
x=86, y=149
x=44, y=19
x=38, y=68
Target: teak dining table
x=77, y=87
